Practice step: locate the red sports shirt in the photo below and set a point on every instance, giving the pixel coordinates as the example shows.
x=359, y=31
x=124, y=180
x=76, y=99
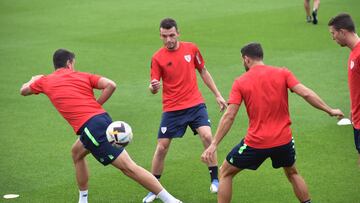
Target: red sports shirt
x=264, y=90
x=354, y=84
x=71, y=93
x=176, y=68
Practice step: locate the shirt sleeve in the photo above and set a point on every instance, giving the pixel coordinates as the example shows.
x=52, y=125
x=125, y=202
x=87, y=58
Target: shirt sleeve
x=199, y=61
x=290, y=78
x=235, y=94
x=155, y=72
x=94, y=79
x=37, y=86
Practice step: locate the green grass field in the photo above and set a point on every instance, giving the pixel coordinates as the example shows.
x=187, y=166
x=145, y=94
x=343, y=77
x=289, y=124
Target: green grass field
x=117, y=39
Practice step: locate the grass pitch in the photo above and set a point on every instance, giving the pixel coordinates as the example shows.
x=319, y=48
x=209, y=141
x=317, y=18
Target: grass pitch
x=116, y=39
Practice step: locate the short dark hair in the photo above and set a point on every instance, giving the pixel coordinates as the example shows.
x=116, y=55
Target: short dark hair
x=168, y=23
x=342, y=21
x=253, y=50
x=61, y=56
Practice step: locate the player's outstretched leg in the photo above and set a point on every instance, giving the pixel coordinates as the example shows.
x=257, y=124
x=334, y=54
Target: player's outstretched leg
x=143, y=177
x=206, y=137
x=79, y=153
x=227, y=173
x=298, y=184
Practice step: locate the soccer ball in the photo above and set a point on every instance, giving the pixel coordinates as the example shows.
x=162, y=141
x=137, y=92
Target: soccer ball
x=119, y=133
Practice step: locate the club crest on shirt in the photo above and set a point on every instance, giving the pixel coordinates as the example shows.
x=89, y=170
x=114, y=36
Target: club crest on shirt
x=352, y=64
x=163, y=129
x=187, y=58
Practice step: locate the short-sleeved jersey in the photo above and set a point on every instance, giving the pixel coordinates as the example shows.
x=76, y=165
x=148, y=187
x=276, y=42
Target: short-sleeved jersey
x=264, y=90
x=354, y=84
x=71, y=93
x=176, y=68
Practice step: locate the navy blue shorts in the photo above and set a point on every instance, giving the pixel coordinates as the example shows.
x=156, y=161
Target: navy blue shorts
x=93, y=137
x=174, y=123
x=357, y=139
x=246, y=157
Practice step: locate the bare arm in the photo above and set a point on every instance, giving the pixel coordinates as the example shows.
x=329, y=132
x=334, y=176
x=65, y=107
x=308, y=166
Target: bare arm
x=312, y=98
x=225, y=124
x=108, y=87
x=25, y=89
x=208, y=80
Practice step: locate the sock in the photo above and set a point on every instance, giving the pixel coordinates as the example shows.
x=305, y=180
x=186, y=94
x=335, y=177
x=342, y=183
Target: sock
x=157, y=176
x=307, y=201
x=166, y=197
x=83, y=196
x=315, y=10
x=213, y=170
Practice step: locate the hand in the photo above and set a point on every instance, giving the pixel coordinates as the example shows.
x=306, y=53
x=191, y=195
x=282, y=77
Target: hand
x=154, y=85
x=208, y=156
x=336, y=112
x=222, y=103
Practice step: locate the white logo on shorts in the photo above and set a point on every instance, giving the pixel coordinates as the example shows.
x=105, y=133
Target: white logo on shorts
x=163, y=129
x=187, y=58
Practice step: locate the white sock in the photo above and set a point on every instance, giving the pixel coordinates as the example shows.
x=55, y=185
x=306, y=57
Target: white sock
x=83, y=196
x=166, y=197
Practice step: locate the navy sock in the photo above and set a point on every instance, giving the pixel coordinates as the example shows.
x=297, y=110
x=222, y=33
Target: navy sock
x=307, y=201
x=213, y=170
x=157, y=176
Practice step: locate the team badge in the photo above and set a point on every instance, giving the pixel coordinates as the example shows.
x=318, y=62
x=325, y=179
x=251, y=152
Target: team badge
x=187, y=58
x=352, y=64
x=163, y=129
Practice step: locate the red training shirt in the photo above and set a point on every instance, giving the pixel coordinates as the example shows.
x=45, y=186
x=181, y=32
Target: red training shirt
x=264, y=90
x=354, y=84
x=71, y=93
x=176, y=68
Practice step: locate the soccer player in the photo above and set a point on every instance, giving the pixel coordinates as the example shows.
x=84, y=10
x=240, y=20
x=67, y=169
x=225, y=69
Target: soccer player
x=71, y=93
x=264, y=90
x=342, y=29
x=183, y=104
x=314, y=18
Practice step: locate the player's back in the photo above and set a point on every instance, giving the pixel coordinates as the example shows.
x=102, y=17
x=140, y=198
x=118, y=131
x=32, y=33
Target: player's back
x=71, y=93
x=264, y=90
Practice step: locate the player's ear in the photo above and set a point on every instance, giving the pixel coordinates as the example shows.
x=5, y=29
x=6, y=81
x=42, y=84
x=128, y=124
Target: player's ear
x=246, y=59
x=70, y=64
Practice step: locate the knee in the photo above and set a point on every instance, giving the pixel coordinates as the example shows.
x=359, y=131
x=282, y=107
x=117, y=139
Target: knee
x=291, y=173
x=76, y=154
x=162, y=149
x=223, y=173
x=206, y=138
x=128, y=167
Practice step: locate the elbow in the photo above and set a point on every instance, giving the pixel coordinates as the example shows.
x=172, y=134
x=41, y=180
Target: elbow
x=23, y=91
x=306, y=96
x=230, y=117
x=112, y=85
